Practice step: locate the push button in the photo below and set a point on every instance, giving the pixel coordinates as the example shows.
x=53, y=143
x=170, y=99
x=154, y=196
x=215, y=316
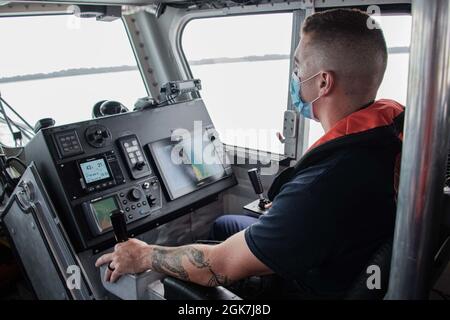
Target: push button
x=143, y=212
x=151, y=200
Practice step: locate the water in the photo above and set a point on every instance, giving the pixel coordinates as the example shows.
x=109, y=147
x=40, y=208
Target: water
x=246, y=100
x=70, y=99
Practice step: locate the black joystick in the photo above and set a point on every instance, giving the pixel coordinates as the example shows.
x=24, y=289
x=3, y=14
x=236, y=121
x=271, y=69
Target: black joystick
x=255, y=179
x=119, y=225
x=140, y=165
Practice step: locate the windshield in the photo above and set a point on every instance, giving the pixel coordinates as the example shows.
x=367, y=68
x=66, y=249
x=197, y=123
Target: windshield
x=60, y=66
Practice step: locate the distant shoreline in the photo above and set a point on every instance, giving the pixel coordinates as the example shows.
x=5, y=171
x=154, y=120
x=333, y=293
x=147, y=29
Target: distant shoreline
x=66, y=73
x=201, y=62
x=103, y=70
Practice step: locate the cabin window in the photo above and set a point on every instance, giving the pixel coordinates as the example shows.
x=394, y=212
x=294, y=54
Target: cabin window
x=60, y=66
x=243, y=63
x=397, y=32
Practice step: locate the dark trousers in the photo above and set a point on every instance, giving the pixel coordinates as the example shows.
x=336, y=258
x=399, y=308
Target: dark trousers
x=225, y=226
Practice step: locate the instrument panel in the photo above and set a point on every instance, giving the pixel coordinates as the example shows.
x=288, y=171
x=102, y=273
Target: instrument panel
x=133, y=162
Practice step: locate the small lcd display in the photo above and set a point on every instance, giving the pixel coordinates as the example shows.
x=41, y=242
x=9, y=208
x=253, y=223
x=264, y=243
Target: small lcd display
x=95, y=170
x=102, y=210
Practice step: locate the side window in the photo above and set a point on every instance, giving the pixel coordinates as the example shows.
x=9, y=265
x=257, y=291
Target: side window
x=60, y=66
x=397, y=31
x=243, y=62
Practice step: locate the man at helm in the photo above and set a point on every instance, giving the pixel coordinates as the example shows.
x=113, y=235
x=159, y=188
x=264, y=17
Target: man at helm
x=336, y=206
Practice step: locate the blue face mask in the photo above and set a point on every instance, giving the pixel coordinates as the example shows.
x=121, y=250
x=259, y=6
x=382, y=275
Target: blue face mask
x=305, y=108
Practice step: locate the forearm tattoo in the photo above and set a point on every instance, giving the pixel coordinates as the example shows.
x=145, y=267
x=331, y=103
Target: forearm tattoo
x=170, y=261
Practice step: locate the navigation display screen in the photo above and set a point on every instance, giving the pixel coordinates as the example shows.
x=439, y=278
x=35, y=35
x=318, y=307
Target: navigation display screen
x=102, y=210
x=95, y=170
x=187, y=165
x=202, y=163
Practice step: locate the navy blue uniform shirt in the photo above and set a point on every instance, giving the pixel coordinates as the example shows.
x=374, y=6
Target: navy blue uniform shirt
x=330, y=216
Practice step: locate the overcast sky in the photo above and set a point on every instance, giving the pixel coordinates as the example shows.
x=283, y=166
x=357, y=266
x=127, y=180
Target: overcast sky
x=52, y=43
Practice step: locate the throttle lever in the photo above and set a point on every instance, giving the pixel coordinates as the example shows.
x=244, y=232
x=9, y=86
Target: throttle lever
x=119, y=225
x=255, y=179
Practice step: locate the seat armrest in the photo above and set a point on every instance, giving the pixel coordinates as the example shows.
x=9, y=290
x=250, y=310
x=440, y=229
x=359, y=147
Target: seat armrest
x=175, y=289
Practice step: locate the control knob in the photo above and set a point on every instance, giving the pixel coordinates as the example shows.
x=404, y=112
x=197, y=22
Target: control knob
x=135, y=194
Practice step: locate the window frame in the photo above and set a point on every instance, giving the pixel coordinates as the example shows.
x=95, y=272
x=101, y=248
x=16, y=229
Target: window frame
x=249, y=152
x=31, y=14
x=398, y=7
x=136, y=55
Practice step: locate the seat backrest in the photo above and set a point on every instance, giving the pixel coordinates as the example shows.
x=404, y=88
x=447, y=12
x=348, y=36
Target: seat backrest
x=442, y=250
x=360, y=290
x=382, y=258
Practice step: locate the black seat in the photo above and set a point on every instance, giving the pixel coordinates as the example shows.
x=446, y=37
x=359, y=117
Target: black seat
x=180, y=290
x=177, y=289
x=381, y=258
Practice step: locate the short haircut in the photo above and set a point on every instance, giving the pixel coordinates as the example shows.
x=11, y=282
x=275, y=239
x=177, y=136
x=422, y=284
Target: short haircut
x=345, y=41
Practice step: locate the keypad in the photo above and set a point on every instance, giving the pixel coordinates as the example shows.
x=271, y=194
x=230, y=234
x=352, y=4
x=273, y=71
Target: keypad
x=135, y=158
x=134, y=152
x=68, y=144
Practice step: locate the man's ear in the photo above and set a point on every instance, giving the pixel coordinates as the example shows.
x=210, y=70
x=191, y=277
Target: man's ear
x=327, y=82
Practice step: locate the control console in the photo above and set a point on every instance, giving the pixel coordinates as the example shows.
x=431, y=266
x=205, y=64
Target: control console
x=136, y=202
x=124, y=163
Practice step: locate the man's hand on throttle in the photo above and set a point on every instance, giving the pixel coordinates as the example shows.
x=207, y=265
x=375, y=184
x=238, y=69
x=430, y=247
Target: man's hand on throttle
x=132, y=256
